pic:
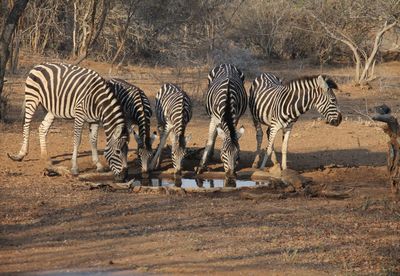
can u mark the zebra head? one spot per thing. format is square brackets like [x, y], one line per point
[179, 152]
[326, 103]
[230, 150]
[116, 152]
[144, 150]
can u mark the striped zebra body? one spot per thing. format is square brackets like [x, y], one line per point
[71, 92]
[279, 105]
[226, 102]
[174, 111]
[137, 111]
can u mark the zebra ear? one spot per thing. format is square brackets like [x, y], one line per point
[240, 132]
[210, 77]
[322, 83]
[118, 132]
[220, 132]
[241, 75]
[188, 138]
[153, 137]
[137, 138]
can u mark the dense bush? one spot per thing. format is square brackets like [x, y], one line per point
[167, 32]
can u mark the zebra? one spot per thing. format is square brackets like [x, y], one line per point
[226, 102]
[174, 111]
[137, 110]
[279, 105]
[72, 92]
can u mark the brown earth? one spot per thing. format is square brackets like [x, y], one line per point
[49, 224]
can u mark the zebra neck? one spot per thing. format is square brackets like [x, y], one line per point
[109, 112]
[304, 95]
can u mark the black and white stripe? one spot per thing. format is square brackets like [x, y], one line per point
[226, 102]
[137, 110]
[279, 105]
[71, 92]
[174, 111]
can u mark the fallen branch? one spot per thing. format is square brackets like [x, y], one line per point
[257, 197]
[52, 171]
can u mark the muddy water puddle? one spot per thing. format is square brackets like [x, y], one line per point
[198, 183]
[180, 182]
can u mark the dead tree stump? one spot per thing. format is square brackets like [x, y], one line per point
[392, 129]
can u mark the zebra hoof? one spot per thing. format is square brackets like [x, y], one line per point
[15, 157]
[255, 165]
[199, 170]
[74, 171]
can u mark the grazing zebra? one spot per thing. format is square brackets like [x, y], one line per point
[137, 110]
[226, 101]
[71, 92]
[174, 111]
[279, 105]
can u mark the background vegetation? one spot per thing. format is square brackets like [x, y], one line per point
[198, 32]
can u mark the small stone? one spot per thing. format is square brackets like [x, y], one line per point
[289, 189]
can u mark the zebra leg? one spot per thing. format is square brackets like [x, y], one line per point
[78, 125]
[259, 136]
[212, 135]
[93, 135]
[270, 148]
[286, 135]
[273, 154]
[43, 130]
[29, 112]
[155, 162]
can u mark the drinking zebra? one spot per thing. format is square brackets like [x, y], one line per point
[174, 111]
[137, 110]
[226, 101]
[71, 92]
[279, 105]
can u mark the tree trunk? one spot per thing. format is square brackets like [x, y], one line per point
[6, 35]
[365, 76]
[123, 35]
[393, 154]
[92, 29]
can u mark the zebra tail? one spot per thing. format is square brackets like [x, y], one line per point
[228, 114]
[23, 110]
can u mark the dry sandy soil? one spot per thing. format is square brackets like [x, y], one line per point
[49, 225]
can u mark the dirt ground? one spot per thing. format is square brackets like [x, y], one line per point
[49, 225]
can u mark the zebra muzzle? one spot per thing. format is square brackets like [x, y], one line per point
[122, 176]
[337, 121]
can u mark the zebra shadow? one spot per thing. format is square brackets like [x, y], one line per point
[298, 161]
[319, 159]
[303, 161]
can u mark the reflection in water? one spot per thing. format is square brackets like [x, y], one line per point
[198, 183]
[146, 182]
[178, 181]
[230, 182]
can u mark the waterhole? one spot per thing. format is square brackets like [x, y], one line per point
[198, 183]
[180, 182]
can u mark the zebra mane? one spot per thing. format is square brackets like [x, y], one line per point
[137, 93]
[332, 84]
